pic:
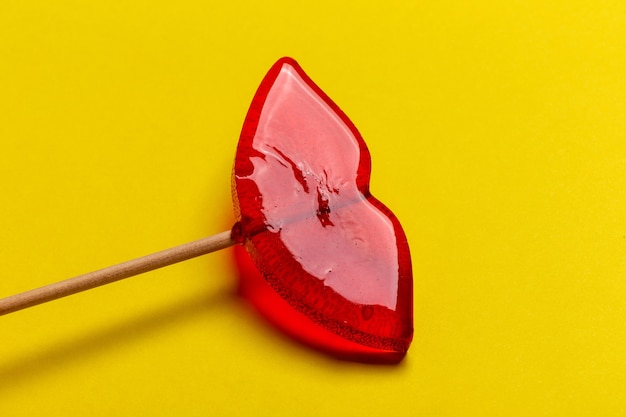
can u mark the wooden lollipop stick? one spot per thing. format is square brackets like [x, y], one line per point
[116, 272]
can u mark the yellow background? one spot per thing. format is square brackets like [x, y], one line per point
[498, 137]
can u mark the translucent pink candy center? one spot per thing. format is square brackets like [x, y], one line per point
[336, 234]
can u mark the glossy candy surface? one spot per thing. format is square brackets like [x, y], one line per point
[323, 243]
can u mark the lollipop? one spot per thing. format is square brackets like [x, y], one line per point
[323, 259]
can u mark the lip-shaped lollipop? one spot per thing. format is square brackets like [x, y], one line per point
[332, 251]
[332, 263]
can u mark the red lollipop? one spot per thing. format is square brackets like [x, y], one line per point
[325, 260]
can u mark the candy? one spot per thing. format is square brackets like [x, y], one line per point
[336, 256]
[325, 261]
